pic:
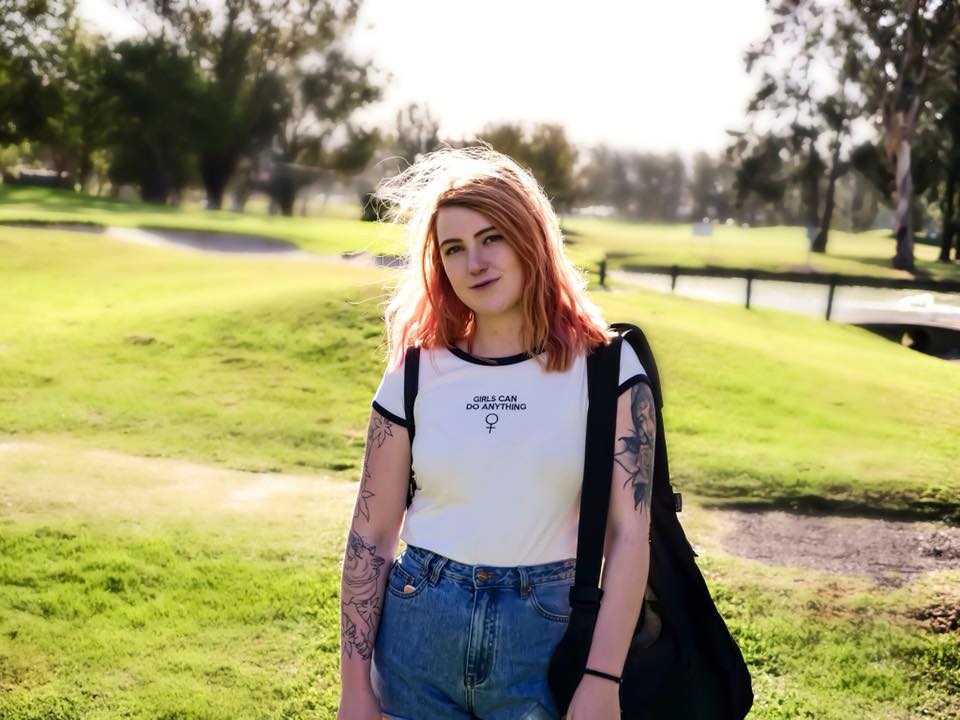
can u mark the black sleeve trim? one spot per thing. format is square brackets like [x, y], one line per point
[627, 384]
[389, 415]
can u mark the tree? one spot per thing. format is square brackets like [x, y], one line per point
[545, 151]
[317, 133]
[807, 40]
[271, 74]
[416, 133]
[83, 121]
[659, 186]
[153, 89]
[760, 179]
[50, 83]
[711, 186]
[944, 102]
[904, 37]
[27, 32]
[602, 180]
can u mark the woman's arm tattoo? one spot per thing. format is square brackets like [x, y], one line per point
[361, 601]
[378, 432]
[635, 451]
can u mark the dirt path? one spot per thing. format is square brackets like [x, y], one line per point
[42, 478]
[57, 480]
[890, 551]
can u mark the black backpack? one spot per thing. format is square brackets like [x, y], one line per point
[682, 662]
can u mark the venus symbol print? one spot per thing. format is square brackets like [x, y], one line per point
[491, 409]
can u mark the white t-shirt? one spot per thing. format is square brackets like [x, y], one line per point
[498, 454]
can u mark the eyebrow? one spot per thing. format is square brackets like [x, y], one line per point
[477, 234]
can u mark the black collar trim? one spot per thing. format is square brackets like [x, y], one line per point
[509, 360]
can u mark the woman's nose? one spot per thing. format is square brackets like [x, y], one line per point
[476, 260]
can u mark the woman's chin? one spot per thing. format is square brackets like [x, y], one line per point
[493, 310]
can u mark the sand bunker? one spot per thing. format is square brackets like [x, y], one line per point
[890, 551]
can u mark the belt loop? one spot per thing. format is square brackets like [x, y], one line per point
[427, 562]
[524, 581]
[436, 566]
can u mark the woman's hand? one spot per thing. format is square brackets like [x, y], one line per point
[595, 699]
[359, 706]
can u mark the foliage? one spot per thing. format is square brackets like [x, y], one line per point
[50, 91]
[273, 76]
[907, 39]
[711, 188]
[416, 133]
[794, 110]
[230, 81]
[545, 150]
[153, 90]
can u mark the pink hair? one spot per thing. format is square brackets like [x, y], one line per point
[557, 316]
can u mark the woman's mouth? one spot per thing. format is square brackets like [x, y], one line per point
[481, 286]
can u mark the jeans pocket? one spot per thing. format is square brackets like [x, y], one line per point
[402, 583]
[552, 600]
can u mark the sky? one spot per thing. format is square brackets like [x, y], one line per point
[634, 74]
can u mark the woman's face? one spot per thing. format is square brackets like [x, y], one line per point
[483, 269]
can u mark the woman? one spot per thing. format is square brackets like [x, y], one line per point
[463, 624]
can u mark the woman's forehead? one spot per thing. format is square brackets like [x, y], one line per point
[459, 221]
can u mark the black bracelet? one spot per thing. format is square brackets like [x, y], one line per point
[606, 676]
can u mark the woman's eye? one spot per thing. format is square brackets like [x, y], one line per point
[492, 237]
[450, 249]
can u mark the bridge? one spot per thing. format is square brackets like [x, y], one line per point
[927, 321]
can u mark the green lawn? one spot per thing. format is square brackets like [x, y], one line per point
[776, 249]
[269, 364]
[321, 234]
[147, 572]
[148, 588]
[622, 242]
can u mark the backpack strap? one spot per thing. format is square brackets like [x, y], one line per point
[411, 383]
[603, 373]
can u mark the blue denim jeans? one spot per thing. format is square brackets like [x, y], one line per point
[469, 641]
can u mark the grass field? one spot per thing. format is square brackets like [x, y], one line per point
[155, 588]
[320, 234]
[774, 249]
[152, 567]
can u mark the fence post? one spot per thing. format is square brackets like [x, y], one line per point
[749, 286]
[673, 278]
[833, 285]
[603, 272]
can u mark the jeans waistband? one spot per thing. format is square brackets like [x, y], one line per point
[436, 566]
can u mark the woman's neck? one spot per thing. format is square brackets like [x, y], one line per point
[497, 337]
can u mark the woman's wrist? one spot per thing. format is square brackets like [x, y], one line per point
[603, 675]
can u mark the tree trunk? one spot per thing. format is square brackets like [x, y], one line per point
[949, 221]
[286, 200]
[216, 172]
[811, 186]
[154, 187]
[903, 217]
[214, 193]
[85, 170]
[820, 243]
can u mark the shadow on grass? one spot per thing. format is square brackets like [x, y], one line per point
[916, 510]
[64, 200]
[886, 263]
[74, 225]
